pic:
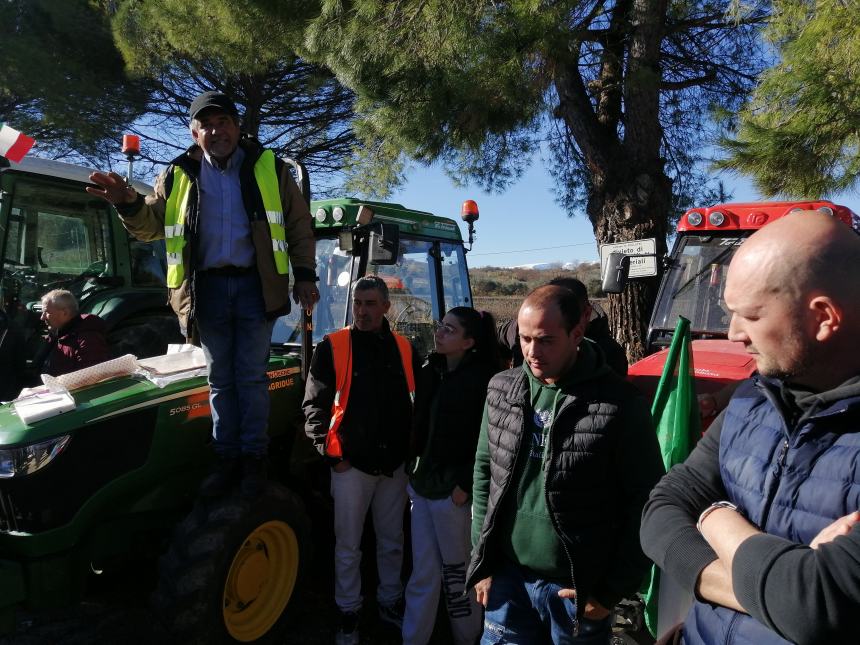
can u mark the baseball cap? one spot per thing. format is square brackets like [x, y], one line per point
[213, 100]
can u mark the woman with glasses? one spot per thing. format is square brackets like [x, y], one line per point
[451, 390]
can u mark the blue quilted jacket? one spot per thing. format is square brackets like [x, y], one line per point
[789, 479]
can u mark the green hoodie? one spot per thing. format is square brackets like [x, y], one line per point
[526, 532]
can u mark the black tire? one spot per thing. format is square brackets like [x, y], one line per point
[145, 336]
[196, 575]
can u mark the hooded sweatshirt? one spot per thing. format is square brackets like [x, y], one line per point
[528, 536]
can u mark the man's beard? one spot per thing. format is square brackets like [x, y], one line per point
[801, 362]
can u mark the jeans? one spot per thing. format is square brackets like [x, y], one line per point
[231, 318]
[525, 610]
[355, 492]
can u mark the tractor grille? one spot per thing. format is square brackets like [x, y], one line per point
[95, 456]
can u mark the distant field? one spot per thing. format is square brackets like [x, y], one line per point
[502, 307]
[505, 307]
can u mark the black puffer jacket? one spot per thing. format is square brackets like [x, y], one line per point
[375, 429]
[603, 461]
[460, 397]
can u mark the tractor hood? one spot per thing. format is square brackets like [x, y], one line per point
[712, 359]
[92, 404]
[715, 363]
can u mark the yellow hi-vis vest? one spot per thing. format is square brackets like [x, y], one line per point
[177, 207]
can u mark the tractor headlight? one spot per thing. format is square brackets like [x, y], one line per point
[25, 460]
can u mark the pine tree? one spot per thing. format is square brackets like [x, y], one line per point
[62, 80]
[800, 133]
[624, 87]
[294, 107]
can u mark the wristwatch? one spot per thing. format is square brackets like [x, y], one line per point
[711, 509]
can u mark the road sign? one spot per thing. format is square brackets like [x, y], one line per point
[640, 267]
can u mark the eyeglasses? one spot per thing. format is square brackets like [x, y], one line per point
[443, 328]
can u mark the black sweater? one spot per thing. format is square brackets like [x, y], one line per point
[455, 402]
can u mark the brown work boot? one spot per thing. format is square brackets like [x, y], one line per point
[224, 476]
[253, 475]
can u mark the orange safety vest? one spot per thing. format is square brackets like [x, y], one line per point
[341, 353]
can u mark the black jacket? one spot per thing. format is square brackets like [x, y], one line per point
[460, 397]
[375, 428]
[603, 461]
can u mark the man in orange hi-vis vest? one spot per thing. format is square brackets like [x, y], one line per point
[358, 409]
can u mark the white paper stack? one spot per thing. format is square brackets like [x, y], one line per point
[181, 362]
[43, 404]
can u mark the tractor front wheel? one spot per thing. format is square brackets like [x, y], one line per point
[232, 568]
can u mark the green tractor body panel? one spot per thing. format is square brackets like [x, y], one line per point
[134, 460]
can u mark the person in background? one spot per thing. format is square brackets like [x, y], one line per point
[451, 391]
[234, 223]
[358, 411]
[597, 330]
[75, 340]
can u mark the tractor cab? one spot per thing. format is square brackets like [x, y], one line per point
[54, 235]
[420, 257]
[693, 285]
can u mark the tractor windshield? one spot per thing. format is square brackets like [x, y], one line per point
[429, 278]
[694, 284]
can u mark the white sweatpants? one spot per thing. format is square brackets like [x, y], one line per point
[440, 556]
[354, 492]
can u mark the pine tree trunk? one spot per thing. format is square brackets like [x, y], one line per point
[636, 209]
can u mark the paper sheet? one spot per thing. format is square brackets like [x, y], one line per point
[41, 406]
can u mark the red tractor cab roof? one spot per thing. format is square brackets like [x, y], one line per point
[753, 215]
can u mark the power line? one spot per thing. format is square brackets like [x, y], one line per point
[543, 248]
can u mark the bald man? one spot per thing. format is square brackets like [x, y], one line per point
[760, 520]
[566, 458]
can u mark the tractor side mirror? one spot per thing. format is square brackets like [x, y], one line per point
[383, 244]
[617, 273]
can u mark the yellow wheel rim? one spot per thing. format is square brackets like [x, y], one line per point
[260, 581]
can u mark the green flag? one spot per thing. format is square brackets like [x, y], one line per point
[676, 417]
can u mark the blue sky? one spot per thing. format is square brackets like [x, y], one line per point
[526, 216]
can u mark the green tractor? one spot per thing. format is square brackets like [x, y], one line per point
[117, 476]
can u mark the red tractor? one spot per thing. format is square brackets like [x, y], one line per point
[693, 286]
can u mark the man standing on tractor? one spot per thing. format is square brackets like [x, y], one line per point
[566, 458]
[233, 220]
[358, 411]
[761, 520]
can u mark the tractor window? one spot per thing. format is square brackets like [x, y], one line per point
[57, 238]
[148, 263]
[455, 277]
[694, 285]
[412, 291]
[335, 269]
